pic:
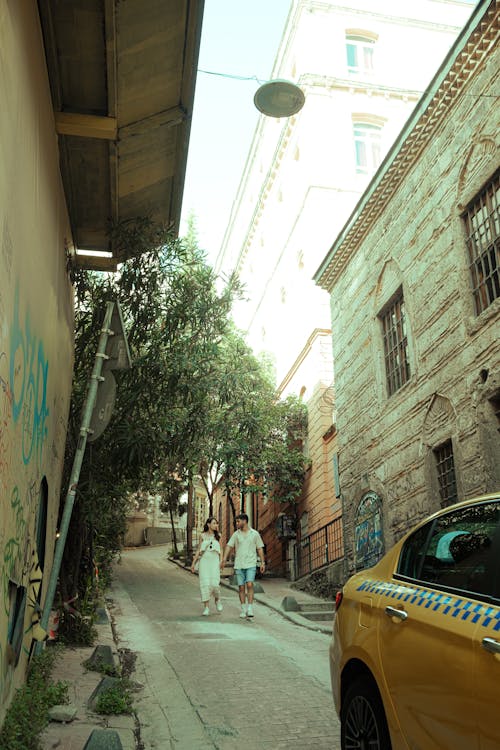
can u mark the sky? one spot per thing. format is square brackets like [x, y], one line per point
[238, 39]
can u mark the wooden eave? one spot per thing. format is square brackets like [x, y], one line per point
[122, 78]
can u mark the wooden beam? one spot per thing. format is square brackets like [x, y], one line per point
[86, 126]
[166, 118]
[94, 262]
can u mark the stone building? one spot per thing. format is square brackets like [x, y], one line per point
[355, 62]
[94, 124]
[414, 285]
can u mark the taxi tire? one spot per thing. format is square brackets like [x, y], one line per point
[362, 708]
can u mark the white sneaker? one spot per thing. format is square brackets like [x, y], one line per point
[205, 612]
[218, 606]
[250, 611]
[243, 613]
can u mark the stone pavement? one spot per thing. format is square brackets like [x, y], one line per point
[275, 590]
[69, 668]
[72, 736]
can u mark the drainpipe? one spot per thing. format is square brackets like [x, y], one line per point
[88, 408]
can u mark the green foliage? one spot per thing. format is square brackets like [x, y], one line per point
[99, 665]
[195, 401]
[76, 629]
[175, 319]
[116, 699]
[27, 715]
[253, 440]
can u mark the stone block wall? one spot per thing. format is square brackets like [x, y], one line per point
[417, 244]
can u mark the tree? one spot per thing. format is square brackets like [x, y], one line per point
[171, 490]
[196, 401]
[175, 320]
[252, 439]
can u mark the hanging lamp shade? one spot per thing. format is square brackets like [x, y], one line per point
[279, 98]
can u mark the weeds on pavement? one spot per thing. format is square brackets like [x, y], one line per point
[28, 715]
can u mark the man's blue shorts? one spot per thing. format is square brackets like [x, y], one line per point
[245, 575]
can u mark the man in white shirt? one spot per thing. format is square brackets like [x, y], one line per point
[247, 544]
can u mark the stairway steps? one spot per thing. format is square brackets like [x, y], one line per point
[323, 615]
[316, 606]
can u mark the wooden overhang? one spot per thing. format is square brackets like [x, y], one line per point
[122, 76]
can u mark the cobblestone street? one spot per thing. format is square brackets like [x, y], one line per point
[218, 682]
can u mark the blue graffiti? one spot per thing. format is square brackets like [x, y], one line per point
[28, 374]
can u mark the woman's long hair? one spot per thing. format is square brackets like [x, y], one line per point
[207, 523]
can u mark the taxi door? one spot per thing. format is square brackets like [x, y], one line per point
[487, 653]
[487, 678]
[426, 653]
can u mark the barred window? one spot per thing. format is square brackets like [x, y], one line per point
[397, 363]
[446, 473]
[482, 227]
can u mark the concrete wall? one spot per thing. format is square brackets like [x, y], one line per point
[417, 243]
[36, 333]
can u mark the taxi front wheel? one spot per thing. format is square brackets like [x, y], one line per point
[362, 718]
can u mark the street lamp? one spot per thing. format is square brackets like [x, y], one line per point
[279, 98]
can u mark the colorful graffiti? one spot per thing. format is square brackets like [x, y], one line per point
[13, 551]
[24, 416]
[28, 373]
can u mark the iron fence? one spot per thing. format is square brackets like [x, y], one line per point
[319, 548]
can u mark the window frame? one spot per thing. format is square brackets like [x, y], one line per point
[363, 137]
[482, 240]
[427, 530]
[360, 43]
[440, 459]
[395, 343]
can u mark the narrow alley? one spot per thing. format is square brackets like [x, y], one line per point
[218, 682]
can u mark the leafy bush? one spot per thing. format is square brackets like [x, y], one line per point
[115, 700]
[76, 629]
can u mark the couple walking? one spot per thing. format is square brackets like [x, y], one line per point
[246, 544]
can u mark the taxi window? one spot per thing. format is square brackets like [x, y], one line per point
[457, 551]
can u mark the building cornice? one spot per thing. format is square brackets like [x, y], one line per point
[357, 86]
[317, 333]
[476, 41]
[315, 5]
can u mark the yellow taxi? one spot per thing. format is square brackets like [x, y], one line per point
[415, 653]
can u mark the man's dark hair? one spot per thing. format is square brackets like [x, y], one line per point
[242, 517]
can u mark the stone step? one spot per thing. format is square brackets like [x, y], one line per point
[321, 616]
[316, 606]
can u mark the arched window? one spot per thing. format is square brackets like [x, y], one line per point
[368, 534]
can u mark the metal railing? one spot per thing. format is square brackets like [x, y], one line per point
[319, 548]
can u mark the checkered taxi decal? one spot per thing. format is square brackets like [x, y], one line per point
[444, 604]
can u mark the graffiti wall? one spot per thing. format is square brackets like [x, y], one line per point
[36, 337]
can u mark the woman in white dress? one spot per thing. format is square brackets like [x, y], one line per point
[209, 555]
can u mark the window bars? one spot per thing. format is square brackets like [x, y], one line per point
[482, 227]
[446, 474]
[397, 364]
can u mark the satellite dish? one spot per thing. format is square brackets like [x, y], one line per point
[279, 98]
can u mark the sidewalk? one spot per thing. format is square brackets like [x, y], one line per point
[73, 735]
[270, 592]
